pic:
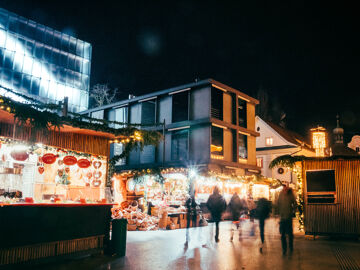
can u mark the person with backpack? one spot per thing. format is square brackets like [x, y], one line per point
[216, 205]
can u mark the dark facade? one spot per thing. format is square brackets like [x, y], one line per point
[207, 124]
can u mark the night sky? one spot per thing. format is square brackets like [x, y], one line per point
[306, 57]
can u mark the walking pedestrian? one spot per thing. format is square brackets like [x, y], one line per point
[286, 205]
[263, 209]
[252, 209]
[216, 205]
[235, 209]
[191, 215]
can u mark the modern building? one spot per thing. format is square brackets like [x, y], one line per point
[206, 124]
[45, 63]
[275, 141]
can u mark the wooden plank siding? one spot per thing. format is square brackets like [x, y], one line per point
[95, 145]
[343, 217]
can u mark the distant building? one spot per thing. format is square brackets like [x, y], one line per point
[45, 63]
[338, 148]
[207, 124]
[355, 143]
[275, 141]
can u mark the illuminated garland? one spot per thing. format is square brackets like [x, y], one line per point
[290, 162]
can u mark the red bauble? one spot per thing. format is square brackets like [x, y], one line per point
[83, 163]
[70, 160]
[41, 170]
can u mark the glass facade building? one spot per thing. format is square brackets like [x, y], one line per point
[43, 62]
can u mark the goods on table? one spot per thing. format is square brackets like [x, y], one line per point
[137, 220]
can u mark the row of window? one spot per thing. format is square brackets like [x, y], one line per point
[16, 50]
[217, 108]
[43, 34]
[217, 144]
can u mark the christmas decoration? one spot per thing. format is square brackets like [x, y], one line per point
[49, 158]
[41, 170]
[83, 163]
[70, 160]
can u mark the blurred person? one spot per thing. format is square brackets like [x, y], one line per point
[286, 204]
[252, 209]
[216, 205]
[263, 209]
[191, 215]
[235, 206]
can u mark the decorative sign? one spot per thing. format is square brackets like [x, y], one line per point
[48, 158]
[70, 160]
[97, 164]
[83, 163]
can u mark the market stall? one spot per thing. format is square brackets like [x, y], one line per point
[165, 191]
[54, 173]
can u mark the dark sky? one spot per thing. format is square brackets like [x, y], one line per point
[305, 56]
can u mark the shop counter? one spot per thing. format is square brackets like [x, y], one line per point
[35, 231]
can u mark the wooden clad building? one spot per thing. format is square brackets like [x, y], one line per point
[332, 195]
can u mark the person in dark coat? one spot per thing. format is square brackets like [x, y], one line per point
[216, 205]
[237, 206]
[191, 215]
[263, 209]
[286, 205]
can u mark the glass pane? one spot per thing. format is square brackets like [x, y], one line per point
[57, 40]
[36, 70]
[13, 24]
[35, 86]
[2, 38]
[179, 145]
[28, 63]
[44, 87]
[72, 48]
[217, 141]
[10, 42]
[40, 33]
[17, 80]
[242, 112]
[39, 50]
[87, 51]
[65, 43]
[26, 83]
[19, 60]
[216, 103]
[242, 146]
[30, 48]
[180, 111]
[49, 38]
[4, 19]
[80, 48]
[9, 59]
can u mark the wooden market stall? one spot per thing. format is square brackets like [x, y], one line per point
[331, 195]
[53, 182]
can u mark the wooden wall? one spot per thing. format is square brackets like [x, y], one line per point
[71, 141]
[343, 217]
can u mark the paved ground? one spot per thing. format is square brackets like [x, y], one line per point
[166, 250]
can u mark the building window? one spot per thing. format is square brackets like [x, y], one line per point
[118, 149]
[269, 141]
[259, 162]
[320, 186]
[121, 115]
[243, 154]
[148, 112]
[180, 107]
[242, 112]
[217, 142]
[216, 103]
[179, 145]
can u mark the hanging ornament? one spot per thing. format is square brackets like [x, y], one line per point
[67, 169]
[40, 159]
[70, 160]
[97, 164]
[60, 173]
[19, 155]
[41, 170]
[83, 163]
[96, 183]
[60, 162]
[89, 175]
[48, 158]
[97, 174]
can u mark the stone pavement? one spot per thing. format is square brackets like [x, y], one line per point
[166, 250]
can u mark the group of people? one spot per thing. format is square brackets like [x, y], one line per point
[216, 204]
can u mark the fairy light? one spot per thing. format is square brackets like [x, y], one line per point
[319, 140]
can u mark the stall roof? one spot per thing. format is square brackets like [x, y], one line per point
[8, 118]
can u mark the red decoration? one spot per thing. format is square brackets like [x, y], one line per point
[97, 164]
[48, 158]
[83, 163]
[97, 174]
[19, 155]
[67, 169]
[40, 159]
[89, 175]
[41, 170]
[70, 160]
[96, 183]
